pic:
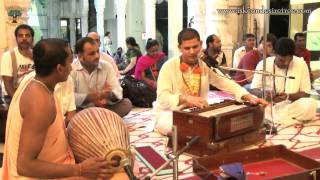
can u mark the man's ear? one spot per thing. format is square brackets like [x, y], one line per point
[59, 68]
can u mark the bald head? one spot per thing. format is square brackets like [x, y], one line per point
[95, 36]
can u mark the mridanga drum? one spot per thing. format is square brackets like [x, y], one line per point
[98, 132]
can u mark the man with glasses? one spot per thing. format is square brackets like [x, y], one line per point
[16, 63]
[290, 96]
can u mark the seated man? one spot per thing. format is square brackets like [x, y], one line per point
[95, 83]
[36, 141]
[214, 49]
[184, 81]
[291, 96]
[65, 95]
[251, 59]
[104, 56]
[302, 51]
[249, 45]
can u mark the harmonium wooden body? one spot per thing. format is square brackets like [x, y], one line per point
[222, 127]
[273, 162]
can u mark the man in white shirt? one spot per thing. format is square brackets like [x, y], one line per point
[249, 44]
[184, 81]
[290, 96]
[95, 83]
[16, 63]
[104, 56]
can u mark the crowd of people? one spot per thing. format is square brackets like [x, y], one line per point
[46, 84]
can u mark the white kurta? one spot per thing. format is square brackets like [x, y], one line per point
[171, 86]
[287, 112]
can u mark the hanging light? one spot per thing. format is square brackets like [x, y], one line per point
[14, 13]
[17, 10]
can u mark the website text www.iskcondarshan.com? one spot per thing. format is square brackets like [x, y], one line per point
[245, 10]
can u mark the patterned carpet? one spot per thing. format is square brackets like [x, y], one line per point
[303, 138]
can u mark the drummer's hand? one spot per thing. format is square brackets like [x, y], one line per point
[95, 168]
[196, 101]
[254, 100]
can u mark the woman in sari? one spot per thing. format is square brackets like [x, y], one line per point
[149, 65]
[132, 55]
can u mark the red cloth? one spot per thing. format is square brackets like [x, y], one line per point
[273, 168]
[313, 153]
[144, 62]
[248, 62]
[305, 53]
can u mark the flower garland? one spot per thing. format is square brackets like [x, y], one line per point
[192, 80]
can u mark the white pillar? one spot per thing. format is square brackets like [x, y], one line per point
[236, 23]
[217, 24]
[73, 4]
[54, 18]
[99, 6]
[196, 16]
[250, 18]
[150, 18]
[121, 6]
[84, 17]
[3, 37]
[175, 15]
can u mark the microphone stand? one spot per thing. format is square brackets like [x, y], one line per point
[173, 157]
[256, 72]
[269, 129]
[175, 148]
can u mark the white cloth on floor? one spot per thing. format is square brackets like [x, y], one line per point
[287, 113]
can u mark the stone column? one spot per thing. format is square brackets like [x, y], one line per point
[150, 18]
[196, 16]
[250, 17]
[217, 24]
[84, 17]
[175, 16]
[53, 18]
[99, 6]
[73, 5]
[236, 23]
[3, 37]
[121, 6]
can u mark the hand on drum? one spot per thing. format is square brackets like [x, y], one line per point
[95, 168]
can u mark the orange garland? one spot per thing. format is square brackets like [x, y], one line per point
[184, 67]
[193, 89]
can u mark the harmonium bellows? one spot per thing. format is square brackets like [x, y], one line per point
[220, 123]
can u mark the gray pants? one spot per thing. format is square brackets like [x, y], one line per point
[122, 107]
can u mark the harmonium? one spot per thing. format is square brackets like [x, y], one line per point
[223, 127]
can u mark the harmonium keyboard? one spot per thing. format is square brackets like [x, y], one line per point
[222, 127]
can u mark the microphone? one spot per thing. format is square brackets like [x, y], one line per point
[213, 64]
[128, 169]
[193, 140]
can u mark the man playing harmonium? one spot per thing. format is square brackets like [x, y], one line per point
[184, 82]
[290, 96]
